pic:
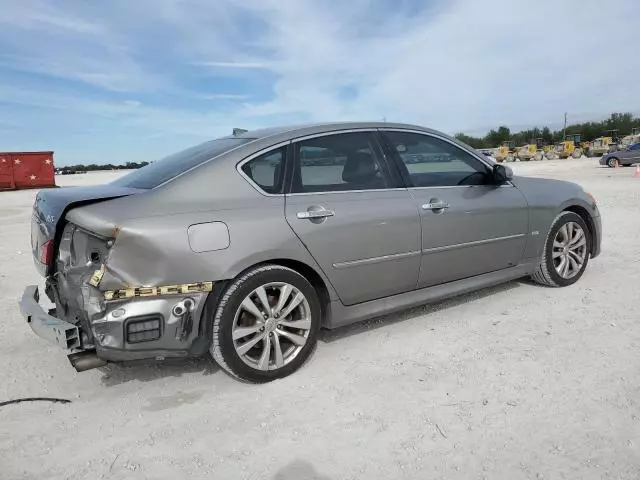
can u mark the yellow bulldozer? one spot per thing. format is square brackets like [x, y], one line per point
[601, 146]
[506, 152]
[531, 151]
[629, 140]
[570, 147]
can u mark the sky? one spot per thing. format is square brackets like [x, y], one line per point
[114, 81]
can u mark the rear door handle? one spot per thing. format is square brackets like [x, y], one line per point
[313, 214]
[439, 205]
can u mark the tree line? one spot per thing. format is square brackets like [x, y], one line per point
[80, 168]
[623, 122]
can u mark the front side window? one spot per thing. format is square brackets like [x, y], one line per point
[340, 162]
[432, 162]
[267, 171]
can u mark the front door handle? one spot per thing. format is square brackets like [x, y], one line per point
[315, 214]
[435, 205]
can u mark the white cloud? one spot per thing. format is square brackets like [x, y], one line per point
[468, 65]
[454, 65]
[231, 64]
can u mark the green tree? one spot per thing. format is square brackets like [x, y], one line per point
[471, 141]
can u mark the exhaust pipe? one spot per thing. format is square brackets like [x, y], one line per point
[85, 360]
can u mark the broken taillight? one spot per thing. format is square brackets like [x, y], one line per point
[46, 252]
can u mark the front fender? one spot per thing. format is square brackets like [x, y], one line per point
[546, 199]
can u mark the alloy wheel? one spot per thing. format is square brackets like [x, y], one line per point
[271, 326]
[569, 250]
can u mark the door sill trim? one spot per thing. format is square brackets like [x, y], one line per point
[427, 251]
[340, 315]
[372, 260]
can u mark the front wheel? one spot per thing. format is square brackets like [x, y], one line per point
[612, 162]
[566, 252]
[266, 324]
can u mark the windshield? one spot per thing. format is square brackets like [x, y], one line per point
[158, 172]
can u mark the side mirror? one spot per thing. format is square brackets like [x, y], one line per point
[502, 174]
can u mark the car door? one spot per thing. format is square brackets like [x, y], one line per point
[632, 155]
[348, 210]
[469, 225]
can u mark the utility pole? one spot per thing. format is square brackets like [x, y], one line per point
[564, 132]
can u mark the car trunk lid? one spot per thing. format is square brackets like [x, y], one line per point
[49, 210]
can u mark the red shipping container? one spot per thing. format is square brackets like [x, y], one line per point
[26, 170]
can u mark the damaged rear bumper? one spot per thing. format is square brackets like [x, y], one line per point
[134, 324]
[45, 325]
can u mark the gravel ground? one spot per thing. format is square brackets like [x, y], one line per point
[512, 382]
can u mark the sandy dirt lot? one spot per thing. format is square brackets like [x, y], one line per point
[512, 382]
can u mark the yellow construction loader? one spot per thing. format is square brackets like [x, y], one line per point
[569, 147]
[531, 151]
[601, 146]
[506, 152]
[629, 140]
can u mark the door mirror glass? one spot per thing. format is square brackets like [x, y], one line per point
[502, 174]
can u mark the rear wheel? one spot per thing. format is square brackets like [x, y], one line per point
[566, 252]
[266, 324]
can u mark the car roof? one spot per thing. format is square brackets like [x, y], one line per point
[311, 128]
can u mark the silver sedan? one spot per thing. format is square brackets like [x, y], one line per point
[245, 246]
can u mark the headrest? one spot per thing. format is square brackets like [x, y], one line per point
[360, 167]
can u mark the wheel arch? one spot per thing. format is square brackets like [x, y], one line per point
[586, 216]
[318, 282]
[313, 277]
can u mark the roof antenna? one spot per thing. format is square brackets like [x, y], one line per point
[239, 131]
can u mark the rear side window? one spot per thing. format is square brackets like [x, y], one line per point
[267, 171]
[347, 161]
[160, 171]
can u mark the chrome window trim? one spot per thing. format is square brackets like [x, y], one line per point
[333, 132]
[347, 191]
[373, 260]
[426, 251]
[254, 155]
[506, 185]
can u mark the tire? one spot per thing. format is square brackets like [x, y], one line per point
[546, 272]
[231, 317]
[577, 153]
[612, 162]
[539, 156]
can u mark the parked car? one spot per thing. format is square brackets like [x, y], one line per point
[240, 249]
[622, 157]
